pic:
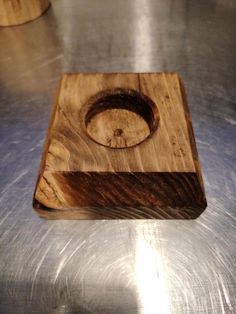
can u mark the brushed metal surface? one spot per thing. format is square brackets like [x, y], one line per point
[119, 266]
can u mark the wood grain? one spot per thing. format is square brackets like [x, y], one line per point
[120, 146]
[14, 12]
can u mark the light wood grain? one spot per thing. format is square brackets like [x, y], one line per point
[120, 146]
[14, 12]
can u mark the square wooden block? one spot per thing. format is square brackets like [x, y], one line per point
[120, 145]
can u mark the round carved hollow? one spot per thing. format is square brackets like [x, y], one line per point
[119, 118]
[15, 12]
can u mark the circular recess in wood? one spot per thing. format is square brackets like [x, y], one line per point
[119, 118]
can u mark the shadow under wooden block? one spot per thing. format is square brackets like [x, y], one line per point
[119, 146]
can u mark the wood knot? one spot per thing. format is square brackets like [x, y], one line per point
[118, 132]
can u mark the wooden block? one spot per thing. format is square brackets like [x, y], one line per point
[120, 146]
[14, 12]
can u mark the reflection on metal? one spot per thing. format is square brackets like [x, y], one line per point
[143, 45]
[118, 266]
[150, 276]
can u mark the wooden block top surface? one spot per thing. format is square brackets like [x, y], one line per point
[167, 149]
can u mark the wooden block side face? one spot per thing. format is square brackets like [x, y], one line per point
[137, 195]
[14, 12]
[92, 168]
[121, 195]
[166, 149]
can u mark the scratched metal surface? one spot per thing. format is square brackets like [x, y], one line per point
[118, 266]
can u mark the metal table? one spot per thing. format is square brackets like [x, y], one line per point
[119, 266]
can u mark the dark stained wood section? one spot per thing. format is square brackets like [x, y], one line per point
[120, 146]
